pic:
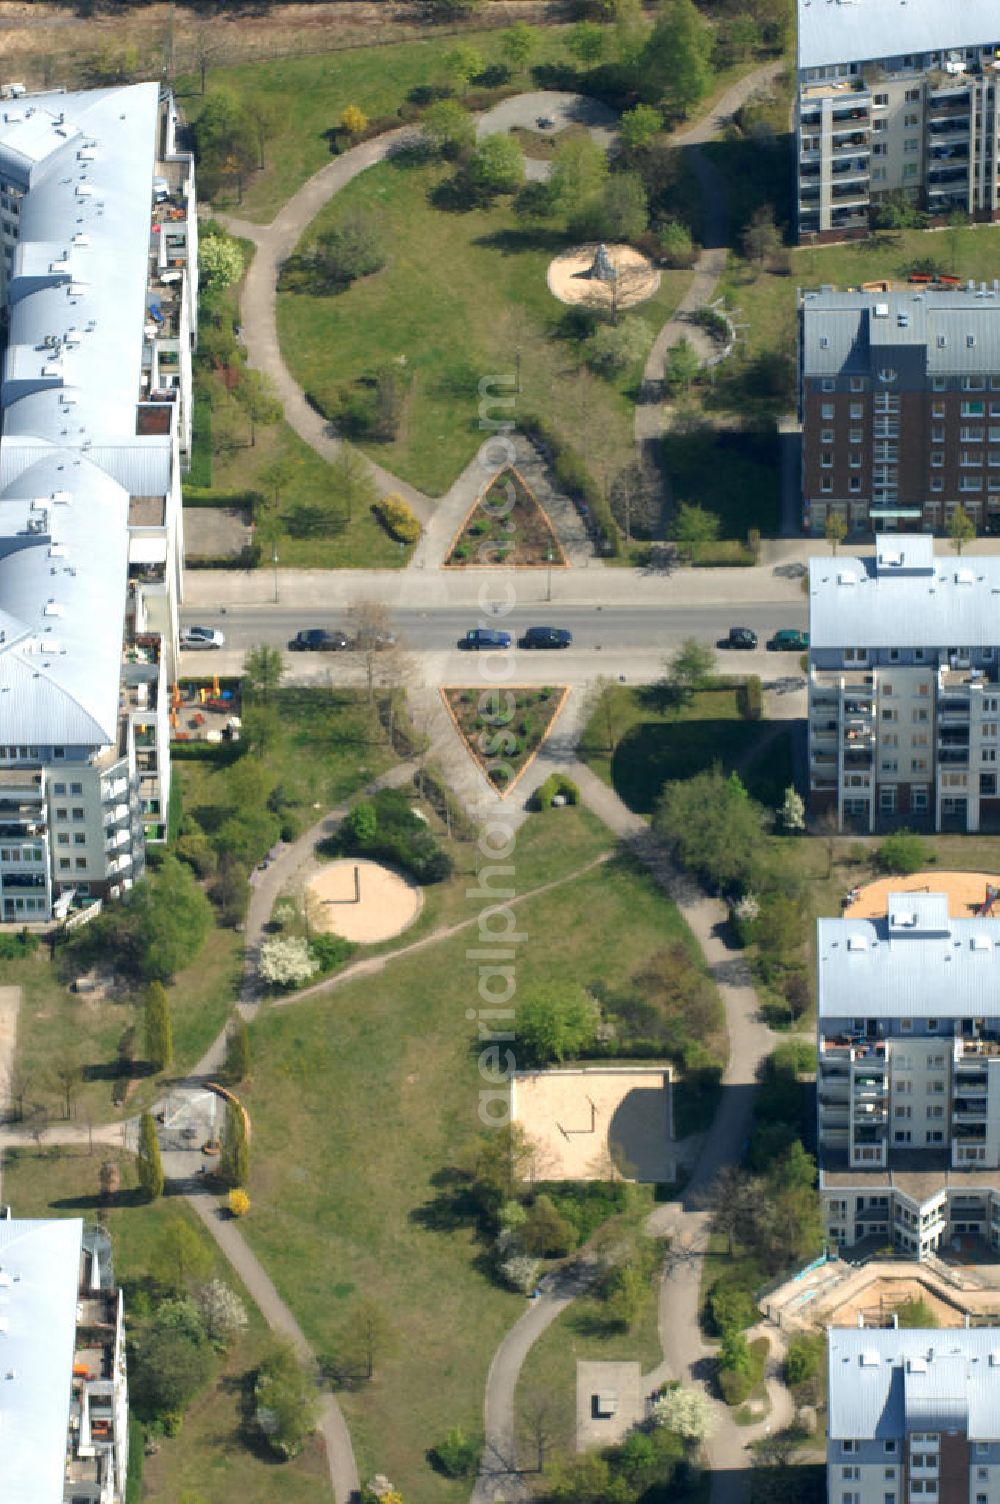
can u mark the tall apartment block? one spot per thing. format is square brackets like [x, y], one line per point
[65, 1390]
[98, 286]
[899, 407]
[914, 1417]
[895, 96]
[908, 1077]
[904, 689]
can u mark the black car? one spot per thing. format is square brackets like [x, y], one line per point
[546, 637]
[319, 640]
[739, 637]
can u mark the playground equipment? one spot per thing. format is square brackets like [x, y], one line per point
[992, 894]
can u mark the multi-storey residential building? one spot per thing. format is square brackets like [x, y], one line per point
[895, 97]
[908, 1076]
[899, 405]
[904, 688]
[914, 1417]
[64, 1413]
[98, 281]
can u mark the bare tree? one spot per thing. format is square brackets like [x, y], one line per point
[603, 708]
[67, 1074]
[18, 1086]
[732, 1199]
[373, 638]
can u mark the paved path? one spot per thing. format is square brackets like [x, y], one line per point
[340, 1453]
[276, 242]
[685, 1221]
[10, 1004]
[711, 262]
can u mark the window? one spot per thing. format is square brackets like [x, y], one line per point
[906, 1024]
[857, 383]
[849, 1448]
[79, 839]
[828, 384]
[970, 410]
[60, 814]
[988, 754]
[910, 145]
[78, 813]
[889, 713]
[971, 483]
[851, 1474]
[64, 864]
[826, 436]
[937, 435]
[937, 458]
[826, 459]
[855, 459]
[973, 383]
[937, 484]
[937, 409]
[903, 1111]
[854, 484]
[935, 1112]
[911, 96]
[857, 410]
[857, 435]
[58, 788]
[919, 716]
[826, 412]
[62, 839]
[902, 1136]
[76, 788]
[879, 101]
[826, 485]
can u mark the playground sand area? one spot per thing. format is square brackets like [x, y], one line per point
[966, 893]
[570, 280]
[598, 1123]
[878, 1300]
[362, 901]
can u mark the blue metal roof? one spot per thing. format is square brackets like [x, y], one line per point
[916, 962]
[849, 31]
[950, 333]
[886, 1383]
[903, 598]
[39, 1287]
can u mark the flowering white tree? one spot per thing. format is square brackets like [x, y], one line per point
[686, 1411]
[793, 812]
[223, 1313]
[746, 909]
[287, 962]
[520, 1271]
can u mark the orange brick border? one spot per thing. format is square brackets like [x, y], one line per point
[446, 689]
[561, 563]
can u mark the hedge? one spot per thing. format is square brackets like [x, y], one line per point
[750, 698]
[556, 783]
[573, 477]
[397, 518]
[207, 496]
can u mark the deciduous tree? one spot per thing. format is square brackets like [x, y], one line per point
[961, 528]
[519, 45]
[234, 1159]
[263, 669]
[556, 1021]
[179, 1257]
[237, 1049]
[258, 397]
[497, 165]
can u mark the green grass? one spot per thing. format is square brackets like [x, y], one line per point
[546, 1389]
[308, 95]
[56, 1025]
[655, 745]
[735, 474]
[211, 1456]
[336, 543]
[359, 1101]
[461, 292]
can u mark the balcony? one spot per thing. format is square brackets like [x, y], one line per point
[847, 142]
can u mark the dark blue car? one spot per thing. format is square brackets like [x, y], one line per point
[485, 637]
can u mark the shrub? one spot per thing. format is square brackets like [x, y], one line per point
[397, 518]
[556, 783]
[802, 1361]
[330, 951]
[400, 837]
[457, 1456]
[734, 1387]
[238, 1202]
[731, 1307]
[903, 852]
[520, 1271]
[286, 1404]
[915, 1314]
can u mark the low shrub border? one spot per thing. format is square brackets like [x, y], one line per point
[573, 476]
[556, 783]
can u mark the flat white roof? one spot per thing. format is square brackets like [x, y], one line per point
[39, 1288]
[858, 31]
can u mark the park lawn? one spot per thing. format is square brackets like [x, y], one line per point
[733, 472]
[461, 294]
[211, 1455]
[361, 1102]
[56, 1026]
[311, 536]
[655, 745]
[546, 1389]
[308, 95]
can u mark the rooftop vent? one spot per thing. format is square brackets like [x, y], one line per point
[53, 608]
[916, 1365]
[881, 310]
[845, 577]
[857, 942]
[970, 340]
[64, 497]
[904, 919]
[981, 942]
[965, 577]
[903, 320]
[84, 190]
[942, 341]
[869, 1358]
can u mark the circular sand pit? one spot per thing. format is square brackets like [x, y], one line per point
[966, 893]
[571, 277]
[362, 901]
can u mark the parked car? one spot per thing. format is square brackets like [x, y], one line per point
[485, 637]
[546, 637]
[318, 640]
[739, 637]
[201, 637]
[788, 640]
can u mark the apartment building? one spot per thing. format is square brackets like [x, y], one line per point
[64, 1406]
[904, 689]
[895, 97]
[98, 285]
[914, 1417]
[908, 1076]
[899, 406]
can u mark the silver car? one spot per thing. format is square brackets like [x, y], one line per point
[201, 637]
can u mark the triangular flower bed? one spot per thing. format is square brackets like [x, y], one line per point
[504, 726]
[507, 524]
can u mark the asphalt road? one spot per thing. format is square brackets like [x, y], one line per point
[431, 630]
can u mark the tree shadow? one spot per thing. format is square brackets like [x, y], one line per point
[515, 240]
[112, 1201]
[453, 1207]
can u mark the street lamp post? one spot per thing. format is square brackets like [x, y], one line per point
[548, 573]
[274, 566]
